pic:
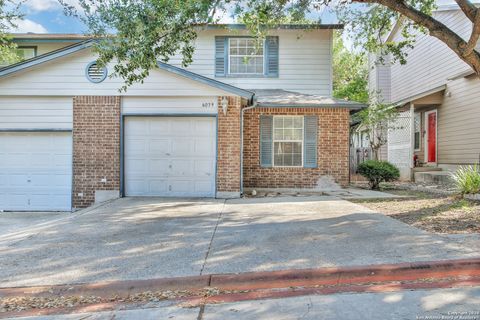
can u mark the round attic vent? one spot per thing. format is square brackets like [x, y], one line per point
[95, 73]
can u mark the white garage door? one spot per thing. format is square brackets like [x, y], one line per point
[170, 156]
[36, 171]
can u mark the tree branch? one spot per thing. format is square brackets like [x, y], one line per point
[468, 8]
[475, 35]
[437, 29]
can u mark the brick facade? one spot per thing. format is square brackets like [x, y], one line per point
[96, 147]
[333, 150]
[228, 149]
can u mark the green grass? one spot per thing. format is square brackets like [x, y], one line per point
[467, 179]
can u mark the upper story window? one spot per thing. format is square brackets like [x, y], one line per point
[23, 53]
[245, 56]
[26, 52]
[288, 141]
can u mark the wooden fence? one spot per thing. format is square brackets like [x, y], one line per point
[357, 156]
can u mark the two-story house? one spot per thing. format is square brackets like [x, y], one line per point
[239, 117]
[438, 97]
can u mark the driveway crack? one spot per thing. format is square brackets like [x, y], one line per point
[213, 236]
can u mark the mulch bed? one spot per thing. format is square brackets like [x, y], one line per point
[431, 212]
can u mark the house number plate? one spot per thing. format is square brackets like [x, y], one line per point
[208, 105]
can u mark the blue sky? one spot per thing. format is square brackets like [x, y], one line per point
[42, 16]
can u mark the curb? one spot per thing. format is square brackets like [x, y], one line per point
[259, 285]
[262, 280]
[347, 275]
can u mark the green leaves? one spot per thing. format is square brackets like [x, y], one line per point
[134, 35]
[137, 33]
[467, 179]
[378, 171]
[9, 14]
[350, 73]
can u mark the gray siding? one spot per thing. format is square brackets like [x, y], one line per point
[431, 62]
[305, 61]
[459, 123]
[380, 78]
[27, 112]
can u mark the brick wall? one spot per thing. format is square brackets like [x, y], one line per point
[96, 147]
[333, 153]
[228, 152]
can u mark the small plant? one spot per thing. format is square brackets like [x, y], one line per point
[467, 179]
[378, 171]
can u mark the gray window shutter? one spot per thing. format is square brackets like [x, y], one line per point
[271, 66]
[310, 141]
[221, 56]
[266, 140]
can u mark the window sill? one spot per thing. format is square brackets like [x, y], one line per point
[296, 168]
[246, 76]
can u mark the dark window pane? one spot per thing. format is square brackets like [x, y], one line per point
[417, 140]
[297, 160]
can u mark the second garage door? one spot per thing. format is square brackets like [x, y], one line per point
[170, 156]
[35, 171]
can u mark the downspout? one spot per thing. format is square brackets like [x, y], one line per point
[254, 105]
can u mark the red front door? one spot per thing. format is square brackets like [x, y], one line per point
[432, 137]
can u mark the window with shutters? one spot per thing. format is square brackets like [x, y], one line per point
[288, 141]
[245, 56]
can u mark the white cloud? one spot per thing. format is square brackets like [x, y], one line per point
[42, 5]
[26, 25]
[48, 5]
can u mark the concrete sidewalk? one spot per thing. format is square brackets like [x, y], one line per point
[369, 306]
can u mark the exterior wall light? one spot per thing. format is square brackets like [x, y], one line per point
[225, 105]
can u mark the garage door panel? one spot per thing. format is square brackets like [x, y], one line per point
[13, 160]
[137, 129]
[158, 167]
[181, 128]
[14, 201]
[203, 167]
[157, 186]
[39, 177]
[159, 146]
[158, 128]
[182, 168]
[181, 147]
[203, 128]
[136, 187]
[135, 145]
[175, 145]
[181, 186]
[203, 147]
[203, 186]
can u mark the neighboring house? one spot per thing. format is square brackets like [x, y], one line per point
[237, 118]
[30, 45]
[438, 98]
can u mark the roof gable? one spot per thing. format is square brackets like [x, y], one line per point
[64, 71]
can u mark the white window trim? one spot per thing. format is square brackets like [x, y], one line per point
[255, 56]
[302, 141]
[419, 132]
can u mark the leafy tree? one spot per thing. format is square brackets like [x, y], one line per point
[9, 14]
[350, 72]
[376, 121]
[148, 30]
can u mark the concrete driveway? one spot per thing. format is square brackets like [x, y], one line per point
[142, 238]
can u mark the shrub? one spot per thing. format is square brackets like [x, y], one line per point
[378, 171]
[467, 179]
